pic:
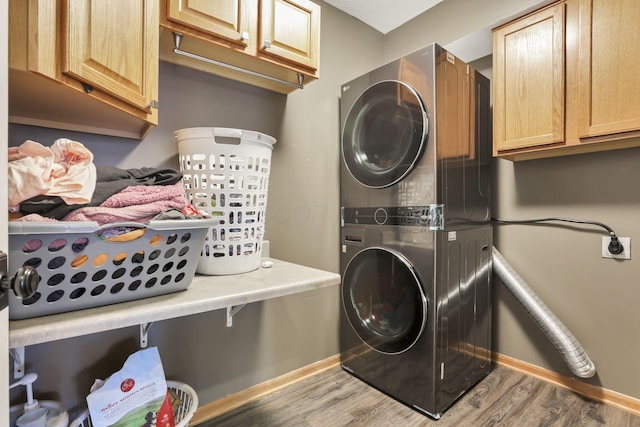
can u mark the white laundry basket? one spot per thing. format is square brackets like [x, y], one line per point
[187, 399]
[226, 173]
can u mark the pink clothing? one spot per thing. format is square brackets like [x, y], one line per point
[137, 213]
[65, 169]
[143, 194]
[34, 218]
[138, 203]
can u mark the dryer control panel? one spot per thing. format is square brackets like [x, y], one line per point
[431, 216]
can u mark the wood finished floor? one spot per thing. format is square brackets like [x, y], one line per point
[504, 398]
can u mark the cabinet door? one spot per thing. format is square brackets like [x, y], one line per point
[290, 29]
[609, 52]
[529, 80]
[228, 19]
[113, 45]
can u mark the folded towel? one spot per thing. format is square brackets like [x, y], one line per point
[133, 204]
[144, 194]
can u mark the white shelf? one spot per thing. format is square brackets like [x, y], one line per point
[206, 293]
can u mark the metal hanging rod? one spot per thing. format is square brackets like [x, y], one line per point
[177, 39]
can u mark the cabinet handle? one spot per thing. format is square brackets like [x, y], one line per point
[177, 39]
[267, 44]
[153, 104]
[244, 36]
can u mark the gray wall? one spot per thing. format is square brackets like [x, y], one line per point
[594, 297]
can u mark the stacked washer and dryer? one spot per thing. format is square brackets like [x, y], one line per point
[416, 235]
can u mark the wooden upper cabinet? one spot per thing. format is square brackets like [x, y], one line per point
[565, 80]
[112, 45]
[609, 55]
[84, 65]
[291, 31]
[228, 19]
[276, 41]
[529, 81]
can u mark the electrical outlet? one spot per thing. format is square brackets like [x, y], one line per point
[626, 244]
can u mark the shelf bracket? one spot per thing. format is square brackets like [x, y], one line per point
[17, 354]
[144, 334]
[231, 311]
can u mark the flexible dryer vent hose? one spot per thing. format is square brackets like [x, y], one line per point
[570, 349]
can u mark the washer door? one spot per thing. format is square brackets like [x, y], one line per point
[384, 134]
[383, 300]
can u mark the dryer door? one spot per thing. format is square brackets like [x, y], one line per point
[384, 300]
[384, 134]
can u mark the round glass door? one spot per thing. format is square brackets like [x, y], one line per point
[383, 300]
[384, 134]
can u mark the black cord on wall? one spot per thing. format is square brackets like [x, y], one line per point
[615, 247]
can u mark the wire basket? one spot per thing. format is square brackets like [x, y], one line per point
[81, 268]
[182, 415]
[226, 173]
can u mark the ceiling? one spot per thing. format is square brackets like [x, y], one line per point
[384, 15]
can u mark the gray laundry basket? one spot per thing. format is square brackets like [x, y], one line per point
[79, 268]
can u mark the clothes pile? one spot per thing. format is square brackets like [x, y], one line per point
[61, 183]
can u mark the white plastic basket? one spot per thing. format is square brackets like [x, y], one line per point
[56, 417]
[226, 173]
[182, 415]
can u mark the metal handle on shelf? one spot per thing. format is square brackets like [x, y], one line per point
[24, 283]
[177, 39]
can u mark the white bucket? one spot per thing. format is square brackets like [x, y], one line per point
[226, 173]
